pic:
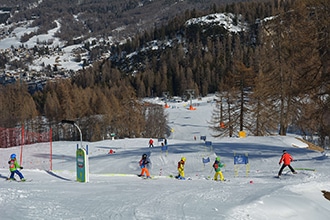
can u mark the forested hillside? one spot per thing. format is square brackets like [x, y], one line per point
[272, 75]
[100, 18]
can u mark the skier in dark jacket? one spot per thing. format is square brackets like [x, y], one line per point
[144, 164]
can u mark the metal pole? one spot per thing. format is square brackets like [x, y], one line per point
[73, 123]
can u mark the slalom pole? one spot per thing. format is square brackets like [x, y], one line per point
[306, 169]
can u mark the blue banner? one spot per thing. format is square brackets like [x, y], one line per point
[241, 159]
[164, 148]
[206, 160]
[208, 143]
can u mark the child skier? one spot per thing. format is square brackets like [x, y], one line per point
[217, 165]
[181, 169]
[13, 167]
[144, 164]
[286, 159]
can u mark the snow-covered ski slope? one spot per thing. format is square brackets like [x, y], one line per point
[115, 192]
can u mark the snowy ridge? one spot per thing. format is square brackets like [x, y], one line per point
[221, 19]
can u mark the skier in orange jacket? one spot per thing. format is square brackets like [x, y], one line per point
[286, 159]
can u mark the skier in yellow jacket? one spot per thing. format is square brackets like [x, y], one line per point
[181, 169]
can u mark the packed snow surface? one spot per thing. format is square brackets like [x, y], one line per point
[115, 192]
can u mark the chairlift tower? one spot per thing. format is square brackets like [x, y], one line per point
[165, 94]
[191, 93]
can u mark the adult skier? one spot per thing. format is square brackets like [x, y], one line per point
[151, 143]
[286, 159]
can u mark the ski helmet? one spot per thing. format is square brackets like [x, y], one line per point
[144, 156]
[13, 156]
[183, 159]
[217, 158]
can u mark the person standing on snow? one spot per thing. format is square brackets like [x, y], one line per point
[13, 167]
[217, 165]
[144, 164]
[151, 143]
[286, 159]
[181, 169]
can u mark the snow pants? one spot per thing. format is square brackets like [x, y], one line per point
[219, 173]
[12, 173]
[145, 170]
[283, 166]
[181, 173]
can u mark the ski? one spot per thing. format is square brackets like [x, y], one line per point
[146, 178]
[283, 176]
[149, 178]
[183, 178]
[15, 180]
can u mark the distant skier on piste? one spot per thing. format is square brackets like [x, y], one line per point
[13, 167]
[217, 165]
[286, 159]
[151, 143]
[144, 164]
[181, 164]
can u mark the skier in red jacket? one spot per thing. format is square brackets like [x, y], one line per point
[286, 159]
[151, 143]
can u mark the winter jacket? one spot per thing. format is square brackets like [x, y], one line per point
[13, 165]
[181, 165]
[144, 163]
[286, 159]
[217, 166]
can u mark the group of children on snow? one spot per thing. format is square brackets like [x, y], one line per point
[217, 165]
[145, 162]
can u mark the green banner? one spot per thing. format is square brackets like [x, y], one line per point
[82, 165]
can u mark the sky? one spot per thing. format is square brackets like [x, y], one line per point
[114, 191]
